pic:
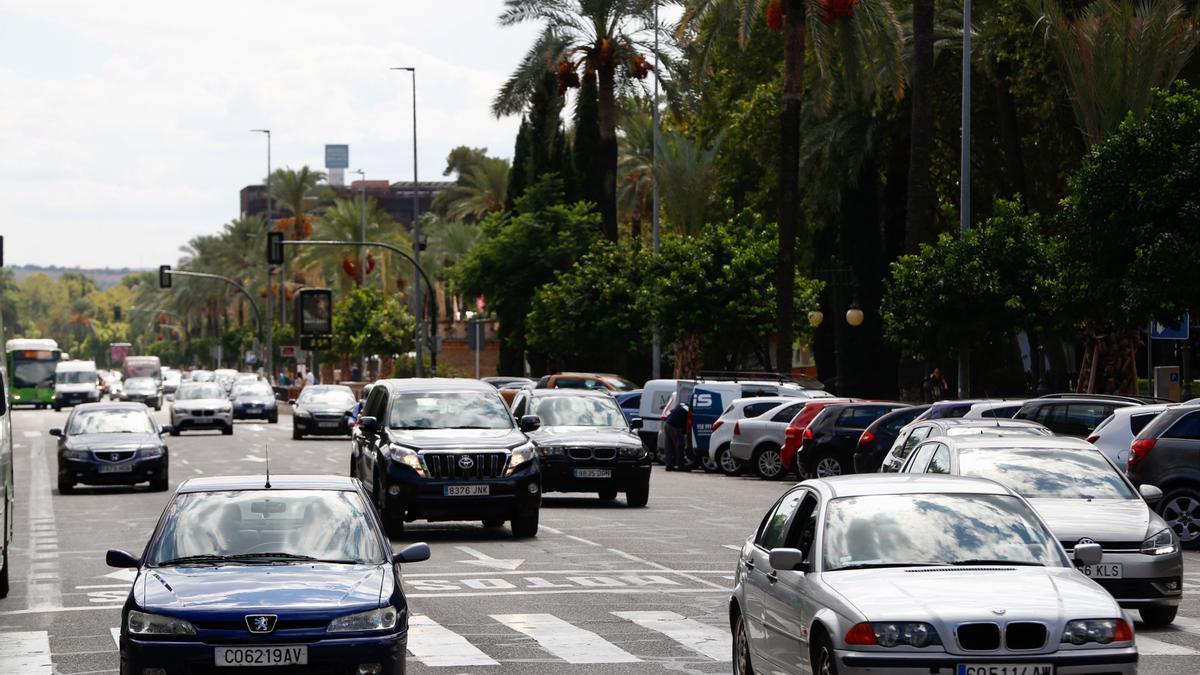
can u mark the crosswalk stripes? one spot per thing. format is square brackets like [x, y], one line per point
[699, 637]
[565, 640]
[434, 645]
[1148, 646]
[26, 652]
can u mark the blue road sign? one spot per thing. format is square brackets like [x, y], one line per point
[337, 157]
[1166, 331]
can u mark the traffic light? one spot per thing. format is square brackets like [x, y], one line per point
[117, 314]
[274, 248]
[164, 276]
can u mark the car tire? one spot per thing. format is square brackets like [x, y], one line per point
[273, 419]
[741, 647]
[493, 522]
[174, 430]
[638, 495]
[526, 526]
[1181, 509]
[824, 662]
[608, 495]
[4, 574]
[57, 408]
[65, 486]
[296, 435]
[729, 465]
[707, 462]
[829, 464]
[227, 431]
[158, 405]
[1158, 616]
[158, 485]
[767, 461]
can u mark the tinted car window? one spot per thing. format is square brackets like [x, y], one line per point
[1087, 415]
[860, 417]
[1046, 472]
[199, 391]
[772, 527]
[1187, 427]
[110, 422]
[756, 409]
[569, 383]
[1006, 412]
[804, 526]
[450, 410]
[917, 465]
[331, 397]
[940, 462]
[919, 434]
[586, 411]
[1139, 422]
[519, 407]
[786, 414]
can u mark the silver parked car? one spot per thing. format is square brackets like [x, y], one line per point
[722, 430]
[1084, 498]
[1115, 434]
[884, 574]
[920, 430]
[758, 442]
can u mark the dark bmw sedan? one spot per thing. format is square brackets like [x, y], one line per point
[254, 400]
[322, 410]
[287, 573]
[585, 445]
[111, 444]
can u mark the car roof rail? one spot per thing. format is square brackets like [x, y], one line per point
[756, 375]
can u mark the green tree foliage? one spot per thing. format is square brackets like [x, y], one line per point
[344, 221]
[481, 188]
[367, 321]
[1005, 276]
[298, 191]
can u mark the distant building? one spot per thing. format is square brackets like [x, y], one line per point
[395, 198]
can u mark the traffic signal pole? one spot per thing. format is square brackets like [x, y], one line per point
[168, 272]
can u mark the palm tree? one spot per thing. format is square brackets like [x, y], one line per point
[635, 165]
[1114, 53]
[480, 190]
[920, 201]
[343, 220]
[833, 32]
[297, 191]
[449, 242]
[604, 41]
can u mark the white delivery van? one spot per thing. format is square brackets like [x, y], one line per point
[75, 382]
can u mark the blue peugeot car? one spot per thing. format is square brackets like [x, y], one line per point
[290, 573]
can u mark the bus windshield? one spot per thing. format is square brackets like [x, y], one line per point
[33, 368]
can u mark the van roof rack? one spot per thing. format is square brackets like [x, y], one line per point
[760, 375]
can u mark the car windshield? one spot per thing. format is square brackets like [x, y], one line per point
[202, 376]
[934, 529]
[619, 383]
[140, 383]
[267, 526]
[450, 410]
[253, 390]
[332, 397]
[76, 377]
[1052, 473]
[110, 422]
[1011, 430]
[197, 391]
[581, 411]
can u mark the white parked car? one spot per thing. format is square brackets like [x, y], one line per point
[723, 428]
[994, 409]
[1115, 434]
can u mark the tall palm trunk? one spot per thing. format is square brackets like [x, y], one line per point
[606, 112]
[920, 191]
[789, 179]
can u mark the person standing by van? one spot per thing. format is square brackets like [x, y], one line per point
[675, 426]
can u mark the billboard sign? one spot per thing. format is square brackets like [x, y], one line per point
[337, 157]
[314, 311]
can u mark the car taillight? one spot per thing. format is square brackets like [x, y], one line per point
[1139, 450]
[808, 434]
[867, 438]
[737, 428]
[718, 424]
[1092, 439]
[791, 433]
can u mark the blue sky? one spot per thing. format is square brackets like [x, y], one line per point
[125, 124]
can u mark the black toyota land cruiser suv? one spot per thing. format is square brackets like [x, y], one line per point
[447, 449]
[585, 444]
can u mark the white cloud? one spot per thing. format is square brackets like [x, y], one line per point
[127, 124]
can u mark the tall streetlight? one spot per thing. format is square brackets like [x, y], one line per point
[362, 251]
[655, 344]
[964, 194]
[270, 299]
[416, 227]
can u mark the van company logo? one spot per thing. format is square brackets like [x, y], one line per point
[466, 462]
[260, 623]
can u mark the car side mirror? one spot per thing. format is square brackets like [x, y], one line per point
[413, 553]
[166, 429]
[291, 401]
[56, 431]
[119, 558]
[1151, 493]
[1088, 554]
[791, 559]
[368, 424]
[530, 423]
[635, 423]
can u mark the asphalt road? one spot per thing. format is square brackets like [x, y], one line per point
[603, 588]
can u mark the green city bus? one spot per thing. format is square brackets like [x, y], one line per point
[31, 364]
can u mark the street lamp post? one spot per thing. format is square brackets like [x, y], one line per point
[270, 299]
[964, 195]
[362, 250]
[416, 227]
[656, 344]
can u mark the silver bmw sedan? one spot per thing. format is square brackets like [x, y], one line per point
[919, 574]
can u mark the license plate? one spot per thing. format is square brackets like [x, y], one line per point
[327, 425]
[593, 473]
[262, 656]
[1005, 669]
[1105, 571]
[468, 490]
[252, 408]
[116, 468]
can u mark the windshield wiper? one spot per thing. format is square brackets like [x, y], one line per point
[201, 559]
[875, 565]
[468, 426]
[991, 561]
[289, 556]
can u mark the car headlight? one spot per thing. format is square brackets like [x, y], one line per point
[407, 457]
[300, 412]
[143, 623]
[634, 452]
[1102, 631]
[519, 455]
[1161, 543]
[149, 452]
[77, 454]
[226, 408]
[893, 634]
[383, 618]
[551, 451]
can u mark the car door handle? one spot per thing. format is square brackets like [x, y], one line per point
[750, 565]
[772, 576]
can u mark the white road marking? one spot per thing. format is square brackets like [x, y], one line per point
[254, 458]
[1187, 624]
[484, 560]
[116, 633]
[566, 641]
[732, 547]
[1148, 646]
[581, 540]
[31, 434]
[27, 653]
[707, 640]
[80, 588]
[42, 596]
[432, 644]
[57, 610]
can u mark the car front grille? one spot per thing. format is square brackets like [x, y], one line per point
[1024, 635]
[1108, 546]
[465, 466]
[978, 637]
[1132, 588]
[588, 454]
[114, 455]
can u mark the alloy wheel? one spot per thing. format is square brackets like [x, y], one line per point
[729, 463]
[828, 466]
[741, 649]
[770, 464]
[1183, 516]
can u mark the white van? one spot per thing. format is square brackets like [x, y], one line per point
[75, 382]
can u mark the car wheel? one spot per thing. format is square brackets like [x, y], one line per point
[638, 495]
[1158, 616]
[829, 464]
[730, 465]
[65, 486]
[174, 431]
[274, 418]
[1181, 509]
[158, 485]
[741, 647]
[768, 462]
[158, 406]
[4, 574]
[493, 522]
[228, 431]
[526, 526]
[296, 435]
[823, 661]
[57, 408]
[608, 495]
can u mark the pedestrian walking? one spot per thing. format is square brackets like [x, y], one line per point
[309, 378]
[935, 386]
[675, 427]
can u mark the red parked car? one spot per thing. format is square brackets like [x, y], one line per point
[794, 435]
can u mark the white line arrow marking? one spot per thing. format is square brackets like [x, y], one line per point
[484, 560]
